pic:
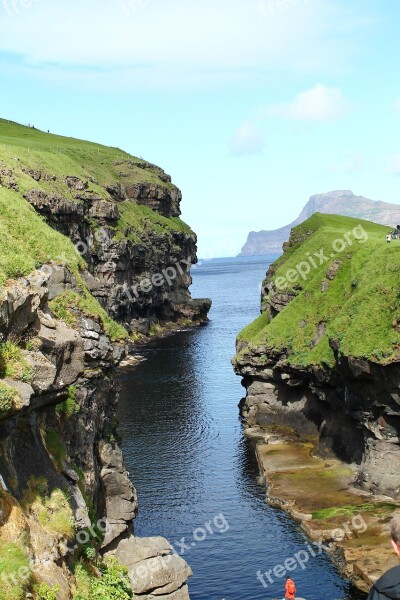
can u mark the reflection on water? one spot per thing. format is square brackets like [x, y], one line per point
[194, 471]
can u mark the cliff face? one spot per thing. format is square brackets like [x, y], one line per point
[326, 344]
[321, 371]
[121, 213]
[128, 248]
[93, 256]
[337, 203]
[352, 409]
[57, 432]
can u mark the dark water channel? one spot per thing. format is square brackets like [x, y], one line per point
[194, 471]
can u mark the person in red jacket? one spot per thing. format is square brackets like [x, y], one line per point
[290, 589]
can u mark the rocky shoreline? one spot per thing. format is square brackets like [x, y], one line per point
[300, 441]
[326, 423]
[355, 535]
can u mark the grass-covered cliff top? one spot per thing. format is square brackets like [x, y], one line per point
[342, 279]
[29, 152]
[26, 241]
[63, 156]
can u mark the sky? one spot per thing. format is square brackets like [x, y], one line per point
[251, 105]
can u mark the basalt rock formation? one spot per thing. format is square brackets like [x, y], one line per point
[320, 348]
[321, 367]
[93, 257]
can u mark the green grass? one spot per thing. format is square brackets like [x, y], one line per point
[55, 514]
[14, 561]
[252, 330]
[137, 220]
[27, 242]
[70, 406]
[52, 510]
[64, 307]
[44, 592]
[62, 156]
[13, 364]
[8, 399]
[360, 309]
[112, 583]
[380, 510]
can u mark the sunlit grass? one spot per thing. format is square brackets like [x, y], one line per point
[359, 308]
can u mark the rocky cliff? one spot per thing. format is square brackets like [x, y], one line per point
[321, 370]
[93, 256]
[261, 243]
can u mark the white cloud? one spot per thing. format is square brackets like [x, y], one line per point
[320, 103]
[158, 42]
[248, 139]
[394, 165]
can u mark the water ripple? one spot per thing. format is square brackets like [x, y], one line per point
[186, 453]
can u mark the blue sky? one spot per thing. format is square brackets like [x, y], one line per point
[251, 105]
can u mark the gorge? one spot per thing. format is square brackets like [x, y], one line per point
[95, 273]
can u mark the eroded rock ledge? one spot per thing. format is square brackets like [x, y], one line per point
[46, 451]
[328, 423]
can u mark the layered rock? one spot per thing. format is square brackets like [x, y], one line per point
[65, 495]
[153, 569]
[44, 450]
[351, 409]
[321, 374]
[138, 274]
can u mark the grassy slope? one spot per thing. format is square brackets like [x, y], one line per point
[136, 220]
[32, 149]
[360, 308]
[26, 241]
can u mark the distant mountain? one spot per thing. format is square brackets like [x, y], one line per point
[342, 202]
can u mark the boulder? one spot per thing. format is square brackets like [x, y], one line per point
[153, 570]
[74, 183]
[104, 210]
